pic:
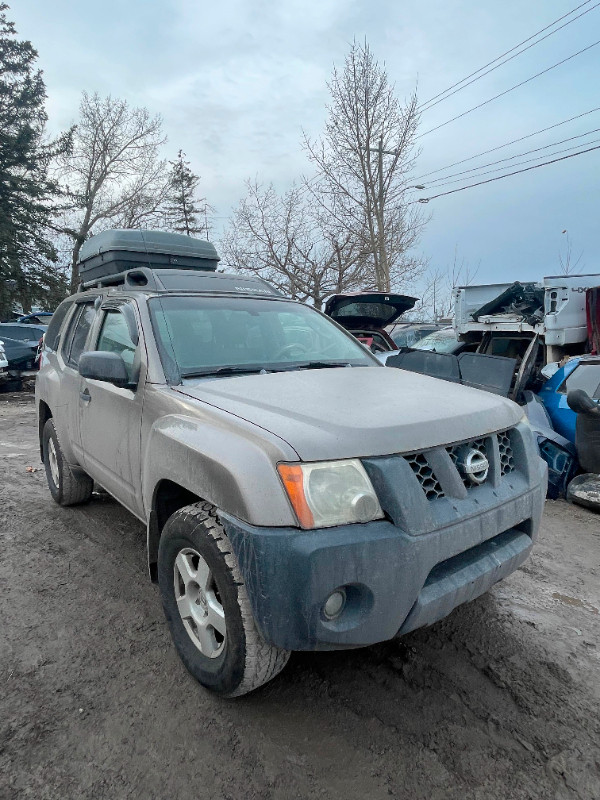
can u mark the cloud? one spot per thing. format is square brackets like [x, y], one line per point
[236, 82]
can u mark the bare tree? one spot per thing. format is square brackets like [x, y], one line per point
[293, 244]
[568, 262]
[363, 161]
[437, 301]
[114, 174]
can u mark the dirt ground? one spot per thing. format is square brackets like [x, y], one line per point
[500, 700]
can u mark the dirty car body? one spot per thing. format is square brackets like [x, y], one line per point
[219, 394]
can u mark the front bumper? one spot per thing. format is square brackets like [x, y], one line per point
[395, 581]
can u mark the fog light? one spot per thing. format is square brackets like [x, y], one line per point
[334, 604]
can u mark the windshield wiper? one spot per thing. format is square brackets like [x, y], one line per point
[239, 369]
[314, 365]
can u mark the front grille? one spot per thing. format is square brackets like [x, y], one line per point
[507, 463]
[429, 483]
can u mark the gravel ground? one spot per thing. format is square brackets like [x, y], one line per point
[500, 700]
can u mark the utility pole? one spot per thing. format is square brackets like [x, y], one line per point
[384, 277]
[382, 267]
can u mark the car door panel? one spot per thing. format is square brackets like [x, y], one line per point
[67, 412]
[110, 419]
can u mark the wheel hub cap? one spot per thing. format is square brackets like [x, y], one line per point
[53, 463]
[199, 602]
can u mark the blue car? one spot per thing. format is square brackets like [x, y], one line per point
[582, 372]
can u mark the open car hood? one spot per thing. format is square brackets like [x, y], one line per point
[367, 310]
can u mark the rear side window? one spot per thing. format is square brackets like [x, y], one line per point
[586, 377]
[51, 339]
[77, 334]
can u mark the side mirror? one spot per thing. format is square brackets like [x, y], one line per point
[103, 366]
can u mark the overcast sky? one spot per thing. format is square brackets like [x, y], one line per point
[236, 82]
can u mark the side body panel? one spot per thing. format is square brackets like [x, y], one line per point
[57, 385]
[215, 455]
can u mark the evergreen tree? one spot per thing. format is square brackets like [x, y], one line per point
[27, 256]
[185, 212]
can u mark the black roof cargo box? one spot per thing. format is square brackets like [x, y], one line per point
[111, 252]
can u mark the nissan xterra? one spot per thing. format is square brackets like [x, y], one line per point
[297, 494]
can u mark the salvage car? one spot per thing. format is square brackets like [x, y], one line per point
[577, 373]
[19, 355]
[410, 334]
[27, 335]
[279, 515]
[367, 314]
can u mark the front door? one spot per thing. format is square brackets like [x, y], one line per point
[110, 417]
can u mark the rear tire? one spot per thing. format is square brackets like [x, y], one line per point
[67, 487]
[207, 606]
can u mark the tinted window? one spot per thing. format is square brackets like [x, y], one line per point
[56, 322]
[78, 333]
[379, 312]
[586, 377]
[115, 338]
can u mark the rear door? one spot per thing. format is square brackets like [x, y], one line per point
[73, 345]
[110, 417]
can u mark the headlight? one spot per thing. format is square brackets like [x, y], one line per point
[330, 493]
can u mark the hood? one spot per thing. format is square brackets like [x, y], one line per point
[367, 310]
[329, 414]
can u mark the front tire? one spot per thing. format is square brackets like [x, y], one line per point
[67, 487]
[207, 607]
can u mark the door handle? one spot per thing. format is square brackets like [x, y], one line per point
[85, 396]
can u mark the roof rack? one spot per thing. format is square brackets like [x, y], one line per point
[166, 279]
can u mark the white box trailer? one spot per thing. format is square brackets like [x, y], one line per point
[555, 309]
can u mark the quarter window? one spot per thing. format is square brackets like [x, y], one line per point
[52, 334]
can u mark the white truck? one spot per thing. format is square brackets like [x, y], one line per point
[506, 318]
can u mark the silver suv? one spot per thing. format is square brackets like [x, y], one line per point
[297, 494]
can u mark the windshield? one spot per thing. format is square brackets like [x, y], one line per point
[408, 337]
[207, 335]
[586, 377]
[441, 341]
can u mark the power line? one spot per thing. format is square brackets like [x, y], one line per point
[507, 144]
[448, 92]
[512, 88]
[517, 155]
[518, 163]
[508, 175]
